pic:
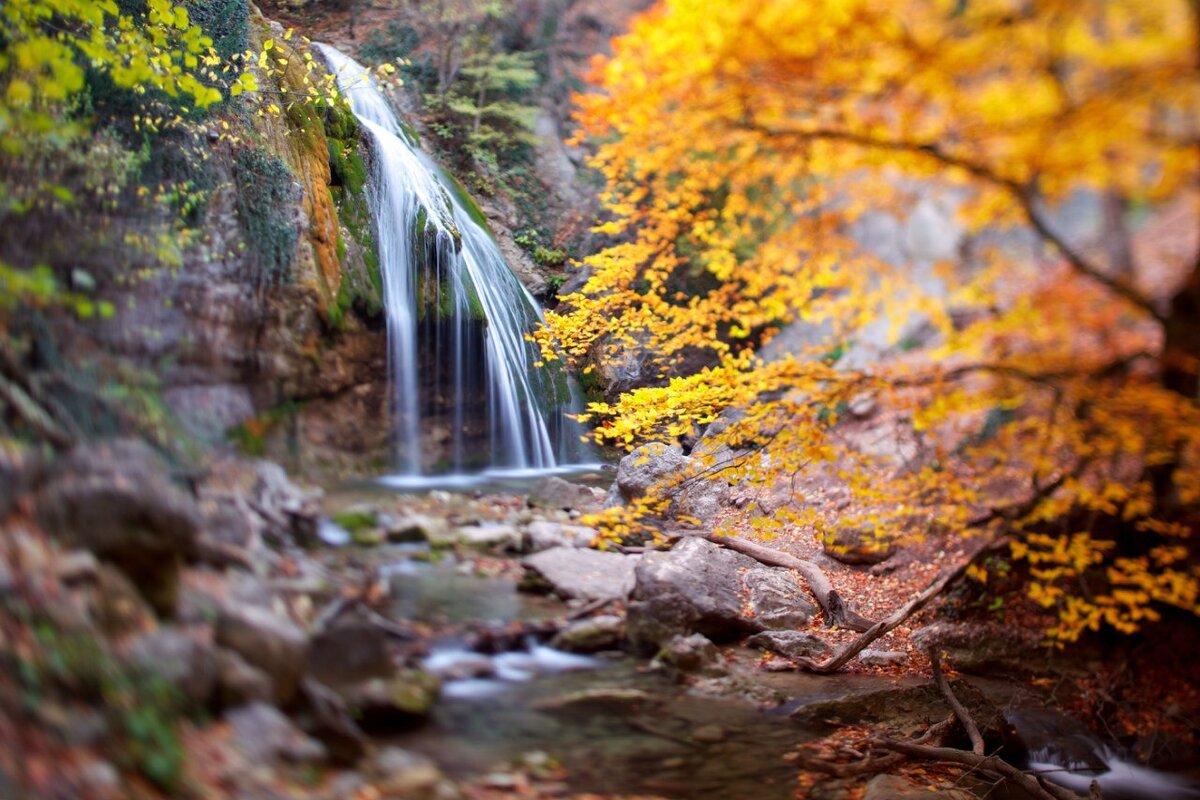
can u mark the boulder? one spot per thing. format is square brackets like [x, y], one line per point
[273, 644]
[543, 534]
[790, 644]
[646, 466]
[489, 536]
[186, 662]
[351, 648]
[699, 587]
[117, 500]
[556, 493]
[694, 653]
[262, 734]
[882, 658]
[859, 546]
[656, 462]
[983, 646]
[382, 704]
[579, 573]
[590, 635]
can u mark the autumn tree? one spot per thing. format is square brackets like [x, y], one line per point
[1055, 400]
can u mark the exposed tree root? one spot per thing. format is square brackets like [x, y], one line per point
[960, 711]
[837, 611]
[1042, 790]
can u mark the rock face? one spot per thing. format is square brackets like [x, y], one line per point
[585, 574]
[699, 587]
[116, 499]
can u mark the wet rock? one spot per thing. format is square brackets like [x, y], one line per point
[590, 635]
[859, 546]
[554, 492]
[608, 698]
[579, 573]
[543, 534]
[352, 648]
[703, 588]
[790, 644]
[184, 661]
[882, 658]
[116, 499]
[979, 647]
[894, 787]
[263, 734]
[391, 703]
[693, 653]
[239, 683]
[271, 643]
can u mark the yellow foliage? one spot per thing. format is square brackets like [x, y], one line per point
[741, 141]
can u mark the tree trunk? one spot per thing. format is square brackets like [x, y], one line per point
[1181, 348]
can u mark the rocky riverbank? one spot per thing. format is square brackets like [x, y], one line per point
[224, 632]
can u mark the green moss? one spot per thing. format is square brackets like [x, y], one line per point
[355, 521]
[264, 194]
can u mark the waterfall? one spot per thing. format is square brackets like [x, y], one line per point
[466, 392]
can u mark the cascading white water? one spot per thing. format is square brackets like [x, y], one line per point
[457, 317]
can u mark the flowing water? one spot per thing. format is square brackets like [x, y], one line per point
[468, 393]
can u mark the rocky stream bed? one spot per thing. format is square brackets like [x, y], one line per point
[371, 642]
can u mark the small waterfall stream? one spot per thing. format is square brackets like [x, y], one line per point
[466, 394]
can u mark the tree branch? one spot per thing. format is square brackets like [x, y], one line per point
[1024, 193]
[837, 611]
[1043, 790]
[960, 711]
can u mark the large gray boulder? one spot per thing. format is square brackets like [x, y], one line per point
[572, 572]
[699, 587]
[648, 465]
[554, 492]
[656, 464]
[117, 500]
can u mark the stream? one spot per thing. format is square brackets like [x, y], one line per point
[612, 723]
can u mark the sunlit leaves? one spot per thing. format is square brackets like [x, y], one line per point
[743, 141]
